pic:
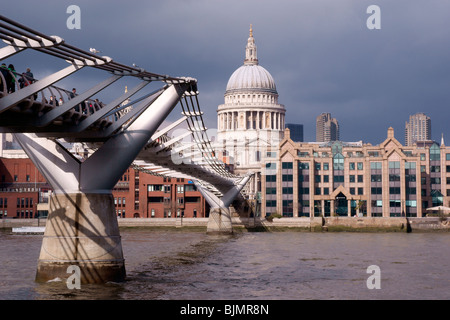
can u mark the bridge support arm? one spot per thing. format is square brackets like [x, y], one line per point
[82, 227]
[219, 221]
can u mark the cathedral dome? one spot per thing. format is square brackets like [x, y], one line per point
[251, 76]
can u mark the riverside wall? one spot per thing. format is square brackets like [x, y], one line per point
[317, 224]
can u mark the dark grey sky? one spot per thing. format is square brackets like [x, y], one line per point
[320, 52]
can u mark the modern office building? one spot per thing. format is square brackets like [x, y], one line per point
[327, 128]
[296, 131]
[353, 178]
[418, 129]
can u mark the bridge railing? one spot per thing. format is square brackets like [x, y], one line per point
[51, 97]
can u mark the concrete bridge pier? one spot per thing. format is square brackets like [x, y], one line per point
[219, 215]
[82, 228]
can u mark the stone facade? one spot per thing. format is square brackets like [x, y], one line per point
[355, 179]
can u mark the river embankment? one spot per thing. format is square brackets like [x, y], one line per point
[316, 224]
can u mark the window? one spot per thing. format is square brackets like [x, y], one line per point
[375, 178]
[326, 178]
[326, 166]
[394, 177]
[360, 178]
[287, 177]
[271, 165]
[376, 190]
[180, 188]
[326, 191]
[422, 157]
[352, 166]
[303, 165]
[447, 156]
[302, 154]
[435, 169]
[352, 178]
[394, 164]
[435, 153]
[317, 165]
[288, 190]
[435, 180]
[338, 162]
[271, 178]
[423, 168]
[317, 191]
[360, 191]
[271, 190]
[317, 178]
[286, 165]
[394, 190]
[375, 165]
[410, 165]
[352, 191]
[360, 166]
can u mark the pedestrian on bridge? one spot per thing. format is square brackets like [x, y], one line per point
[11, 84]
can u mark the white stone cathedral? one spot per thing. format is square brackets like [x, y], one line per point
[251, 122]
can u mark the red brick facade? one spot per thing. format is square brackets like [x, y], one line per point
[22, 187]
[137, 194]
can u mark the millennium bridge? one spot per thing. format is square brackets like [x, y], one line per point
[82, 227]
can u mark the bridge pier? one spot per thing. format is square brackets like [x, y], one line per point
[82, 230]
[219, 221]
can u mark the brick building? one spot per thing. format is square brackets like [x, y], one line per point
[142, 195]
[23, 189]
[24, 193]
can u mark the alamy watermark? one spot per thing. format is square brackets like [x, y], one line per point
[74, 280]
[74, 20]
[374, 281]
[374, 21]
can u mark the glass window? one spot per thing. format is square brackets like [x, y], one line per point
[410, 165]
[317, 178]
[360, 191]
[394, 164]
[360, 166]
[286, 165]
[360, 178]
[326, 178]
[352, 178]
[271, 165]
[303, 165]
[435, 153]
[317, 165]
[338, 162]
[326, 166]
[375, 165]
[422, 157]
[447, 156]
[352, 166]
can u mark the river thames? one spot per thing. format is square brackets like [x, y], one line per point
[191, 265]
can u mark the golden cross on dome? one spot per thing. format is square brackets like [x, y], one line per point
[251, 31]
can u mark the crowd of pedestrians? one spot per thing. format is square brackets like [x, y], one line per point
[10, 79]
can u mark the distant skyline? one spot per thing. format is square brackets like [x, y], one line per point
[321, 54]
